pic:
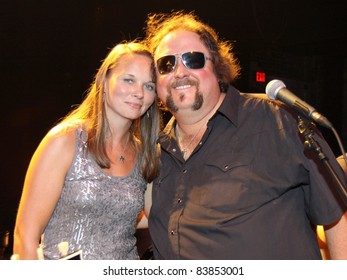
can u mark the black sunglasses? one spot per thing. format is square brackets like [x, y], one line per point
[191, 60]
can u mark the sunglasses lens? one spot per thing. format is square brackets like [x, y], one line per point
[194, 60]
[166, 64]
[191, 60]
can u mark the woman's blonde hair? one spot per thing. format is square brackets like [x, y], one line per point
[91, 112]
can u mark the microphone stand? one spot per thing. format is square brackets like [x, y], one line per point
[312, 144]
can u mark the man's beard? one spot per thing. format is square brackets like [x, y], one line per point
[170, 104]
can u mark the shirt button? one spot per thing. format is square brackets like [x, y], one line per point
[172, 232]
[179, 200]
[226, 167]
[174, 150]
[184, 171]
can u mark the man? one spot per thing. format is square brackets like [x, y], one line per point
[234, 180]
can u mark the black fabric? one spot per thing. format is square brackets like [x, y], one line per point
[249, 191]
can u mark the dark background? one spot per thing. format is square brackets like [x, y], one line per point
[50, 51]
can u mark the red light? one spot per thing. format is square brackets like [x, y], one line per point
[260, 77]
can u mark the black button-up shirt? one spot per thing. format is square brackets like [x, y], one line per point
[248, 191]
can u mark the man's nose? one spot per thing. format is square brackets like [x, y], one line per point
[181, 70]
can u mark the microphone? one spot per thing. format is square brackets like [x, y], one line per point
[276, 89]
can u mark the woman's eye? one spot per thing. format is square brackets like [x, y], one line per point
[129, 81]
[150, 87]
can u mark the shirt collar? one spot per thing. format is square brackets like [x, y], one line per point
[229, 108]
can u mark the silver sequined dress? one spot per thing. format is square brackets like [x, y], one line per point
[96, 213]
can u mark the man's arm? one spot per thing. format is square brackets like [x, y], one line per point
[336, 236]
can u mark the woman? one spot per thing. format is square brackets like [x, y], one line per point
[86, 181]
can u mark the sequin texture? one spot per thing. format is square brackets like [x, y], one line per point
[96, 213]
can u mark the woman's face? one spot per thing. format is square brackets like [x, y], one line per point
[130, 89]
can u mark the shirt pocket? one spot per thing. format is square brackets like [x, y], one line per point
[229, 160]
[228, 182]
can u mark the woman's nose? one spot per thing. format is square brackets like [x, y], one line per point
[138, 92]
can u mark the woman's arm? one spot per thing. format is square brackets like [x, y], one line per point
[148, 199]
[142, 221]
[42, 188]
